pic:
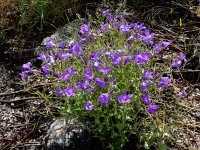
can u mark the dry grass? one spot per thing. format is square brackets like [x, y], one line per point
[7, 7]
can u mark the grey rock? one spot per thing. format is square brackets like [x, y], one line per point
[66, 33]
[68, 135]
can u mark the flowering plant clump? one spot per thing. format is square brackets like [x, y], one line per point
[108, 78]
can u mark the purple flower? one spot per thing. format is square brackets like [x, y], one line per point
[132, 37]
[107, 54]
[121, 16]
[50, 44]
[142, 58]
[104, 26]
[164, 82]
[106, 12]
[27, 66]
[64, 77]
[146, 99]
[69, 91]
[176, 64]
[96, 66]
[66, 56]
[59, 91]
[148, 38]
[83, 85]
[112, 90]
[116, 25]
[125, 28]
[24, 75]
[147, 74]
[95, 55]
[70, 71]
[77, 49]
[42, 57]
[45, 69]
[85, 29]
[100, 82]
[105, 70]
[51, 60]
[58, 55]
[181, 94]
[88, 74]
[104, 99]
[62, 44]
[127, 59]
[124, 98]
[138, 27]
[56, 75]
[166, 44]
[116, 60]
[88, 106]
[145, 85]
[182, 57]
[157, 48]
[153, 109]
[111, 18]
[71, 44]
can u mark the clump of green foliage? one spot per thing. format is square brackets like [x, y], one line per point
[108, 80]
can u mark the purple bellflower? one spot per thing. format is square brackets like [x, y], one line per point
[70, 71]
[145, 85]
[116, 60]
[83, 85]
[69, 91]
[153, 109]
[27, 66]
[88, 74]
[24, 75]
[62, 44]
[58, 55]
[77, 49]
[146, 99]
[124, 98]
[176, 64]
[51, 60]
[166, 44]
[100, 82]
[164, 82]
[142, 58]
[42, 57]
[59, 91]
[50, 43]
[85, 29]
[182, 57]
[125, 28]
[96, 66]
[65, 56]
[88, 106]
[105, 70]
[104, 27]
[147, 74]
[65, 77]
[157, 48]
[103, 99]
[106, 12]
[111, 18]
[181, 94]
[45, 69]
[116, 25]
[121, 16]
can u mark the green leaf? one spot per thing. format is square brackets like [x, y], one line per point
[161, 144]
